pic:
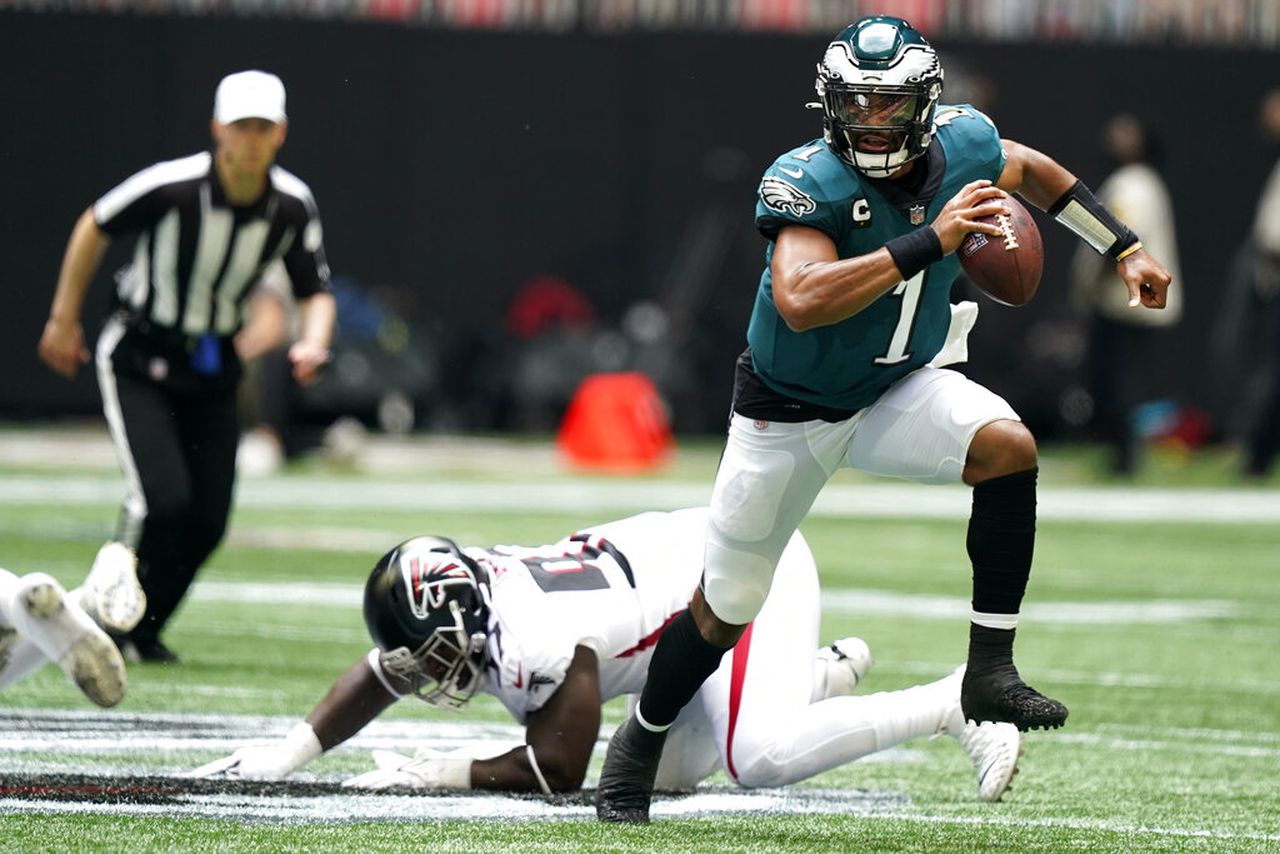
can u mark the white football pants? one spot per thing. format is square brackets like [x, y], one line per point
[753, 716]
[771, 472]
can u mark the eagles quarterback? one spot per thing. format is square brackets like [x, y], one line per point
[850, 331]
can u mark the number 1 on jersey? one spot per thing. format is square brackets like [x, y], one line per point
[910, 293]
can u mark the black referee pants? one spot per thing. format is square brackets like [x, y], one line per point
[176, 435]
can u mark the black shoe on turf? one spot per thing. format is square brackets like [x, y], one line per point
[1001, 695]
[149, 650]
[630, 767]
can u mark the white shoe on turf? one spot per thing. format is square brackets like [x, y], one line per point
[994, 748]
[838, 668]
[91, 659]
[115, 598]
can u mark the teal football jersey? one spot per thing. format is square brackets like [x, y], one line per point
[848, 365]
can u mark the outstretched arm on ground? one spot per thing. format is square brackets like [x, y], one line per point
[356, 698]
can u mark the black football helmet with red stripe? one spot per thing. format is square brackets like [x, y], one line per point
[426, 607]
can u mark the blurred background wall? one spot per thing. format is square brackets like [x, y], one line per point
[483, 169]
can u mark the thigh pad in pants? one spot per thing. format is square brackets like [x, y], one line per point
[767, 481]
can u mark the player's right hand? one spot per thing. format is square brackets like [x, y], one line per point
[959, 215]
[426, 769]
[62, 347]
[255, 762]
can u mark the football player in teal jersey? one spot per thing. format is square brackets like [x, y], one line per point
[851, 329]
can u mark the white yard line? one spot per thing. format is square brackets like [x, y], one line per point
[834, 601]
[593, 498]
[73, 733]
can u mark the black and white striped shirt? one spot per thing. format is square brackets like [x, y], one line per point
[197, 255]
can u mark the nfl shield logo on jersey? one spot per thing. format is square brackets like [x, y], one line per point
[916, 213]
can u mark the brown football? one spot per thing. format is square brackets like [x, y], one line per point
[1006, 269]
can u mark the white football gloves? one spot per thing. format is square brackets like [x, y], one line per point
[428, 769]
[265, 761]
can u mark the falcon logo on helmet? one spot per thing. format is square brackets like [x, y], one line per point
[878, 86]
[426, 606]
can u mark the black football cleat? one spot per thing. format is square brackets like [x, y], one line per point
[630, 768]
[145, 650]
[1000, 695]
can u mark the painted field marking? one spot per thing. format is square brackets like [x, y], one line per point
[72, 732]
[593, 498]
[834, 600]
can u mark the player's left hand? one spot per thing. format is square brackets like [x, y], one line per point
[309, 360]
[429, 769]
[255, 762]
[1147, 279]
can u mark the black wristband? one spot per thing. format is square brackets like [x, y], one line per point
[1079, 210]
[914, 251]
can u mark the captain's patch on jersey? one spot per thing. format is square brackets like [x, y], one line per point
[785, 198]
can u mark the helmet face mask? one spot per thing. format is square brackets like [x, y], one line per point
[426, 607]
[878, 86]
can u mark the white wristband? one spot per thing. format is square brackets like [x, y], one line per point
[301, 745]
[455, 772]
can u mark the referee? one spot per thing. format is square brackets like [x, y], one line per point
[206, 226]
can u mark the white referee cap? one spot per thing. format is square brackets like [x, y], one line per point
[249, 95]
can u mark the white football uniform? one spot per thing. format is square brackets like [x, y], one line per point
[41, 622]
[612, 588]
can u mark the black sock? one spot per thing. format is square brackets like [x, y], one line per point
[989, 648]
[1001, 540]
[681, 662]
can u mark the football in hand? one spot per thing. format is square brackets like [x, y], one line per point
[1007, 268]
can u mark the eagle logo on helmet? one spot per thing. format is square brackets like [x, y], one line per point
[878, 87]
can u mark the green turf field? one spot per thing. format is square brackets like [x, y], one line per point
[1162, 637]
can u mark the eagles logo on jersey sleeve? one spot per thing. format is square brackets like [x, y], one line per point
[793, 192]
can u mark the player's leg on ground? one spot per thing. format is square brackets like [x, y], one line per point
[937, 426]
[775, 744]
[783, 639]
[768, 478]
[50, 622]
[769, 732]
[767, 680]
[838, 668]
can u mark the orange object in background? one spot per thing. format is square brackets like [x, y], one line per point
[616, 422]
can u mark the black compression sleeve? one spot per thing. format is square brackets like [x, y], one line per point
[1081, 211]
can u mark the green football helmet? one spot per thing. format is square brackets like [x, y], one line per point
[878, 86]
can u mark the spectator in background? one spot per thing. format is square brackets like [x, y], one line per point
[1264, 437]
[278, 423]
[1118, 335]
[206, 226]
[269, 327]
